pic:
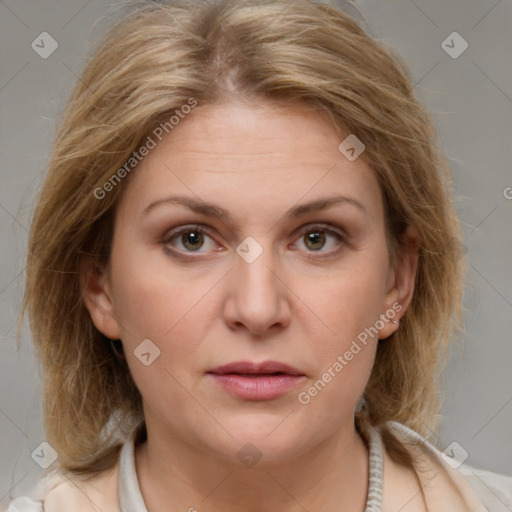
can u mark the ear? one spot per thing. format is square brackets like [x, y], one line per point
[400, 283]
[97, 297]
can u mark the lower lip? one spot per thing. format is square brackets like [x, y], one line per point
[263, 387]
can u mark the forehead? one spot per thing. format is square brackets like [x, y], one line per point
[266, 131]
[251, 154]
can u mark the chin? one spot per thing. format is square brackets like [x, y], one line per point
[265, 437]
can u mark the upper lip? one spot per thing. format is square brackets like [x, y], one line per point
[264, 367]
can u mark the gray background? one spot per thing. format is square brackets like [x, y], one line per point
[470, 98]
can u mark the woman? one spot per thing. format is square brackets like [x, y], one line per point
[244, 273]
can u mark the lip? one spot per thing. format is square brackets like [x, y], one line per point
[264, 367]
[256, 381]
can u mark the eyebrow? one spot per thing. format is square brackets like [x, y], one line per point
[209, 209]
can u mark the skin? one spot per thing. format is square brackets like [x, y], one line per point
[299, 302]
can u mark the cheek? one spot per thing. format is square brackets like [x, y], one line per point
[348, 304]
[350, 300]
[149, 298]
[160, 302]
[345, 356]
[164, 310]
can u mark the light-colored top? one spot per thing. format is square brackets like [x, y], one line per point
[118, 490]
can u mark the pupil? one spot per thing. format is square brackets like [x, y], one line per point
[315, 239]
[192, 239]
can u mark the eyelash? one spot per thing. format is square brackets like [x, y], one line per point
[197, 228]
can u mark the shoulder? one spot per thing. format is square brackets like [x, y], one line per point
[61, 492]
[24, 504]
[448, 477]
[494, 489]
[58, 493]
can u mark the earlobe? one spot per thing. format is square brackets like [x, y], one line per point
[403, 277]
[97, 298]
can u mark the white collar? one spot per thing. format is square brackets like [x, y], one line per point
[130, 497]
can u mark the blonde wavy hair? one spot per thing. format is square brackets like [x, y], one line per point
[149, 64]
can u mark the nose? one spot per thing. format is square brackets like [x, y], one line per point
[257, 296]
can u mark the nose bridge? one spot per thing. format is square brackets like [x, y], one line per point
[254, 266]
[257, 297]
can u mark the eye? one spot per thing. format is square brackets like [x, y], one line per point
[317, 237]
[195, 239]
[189, 239]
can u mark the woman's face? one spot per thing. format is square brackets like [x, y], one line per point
[290, 265]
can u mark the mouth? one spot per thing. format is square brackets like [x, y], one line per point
[256, 381]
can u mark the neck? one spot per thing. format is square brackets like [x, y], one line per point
[329, 475]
